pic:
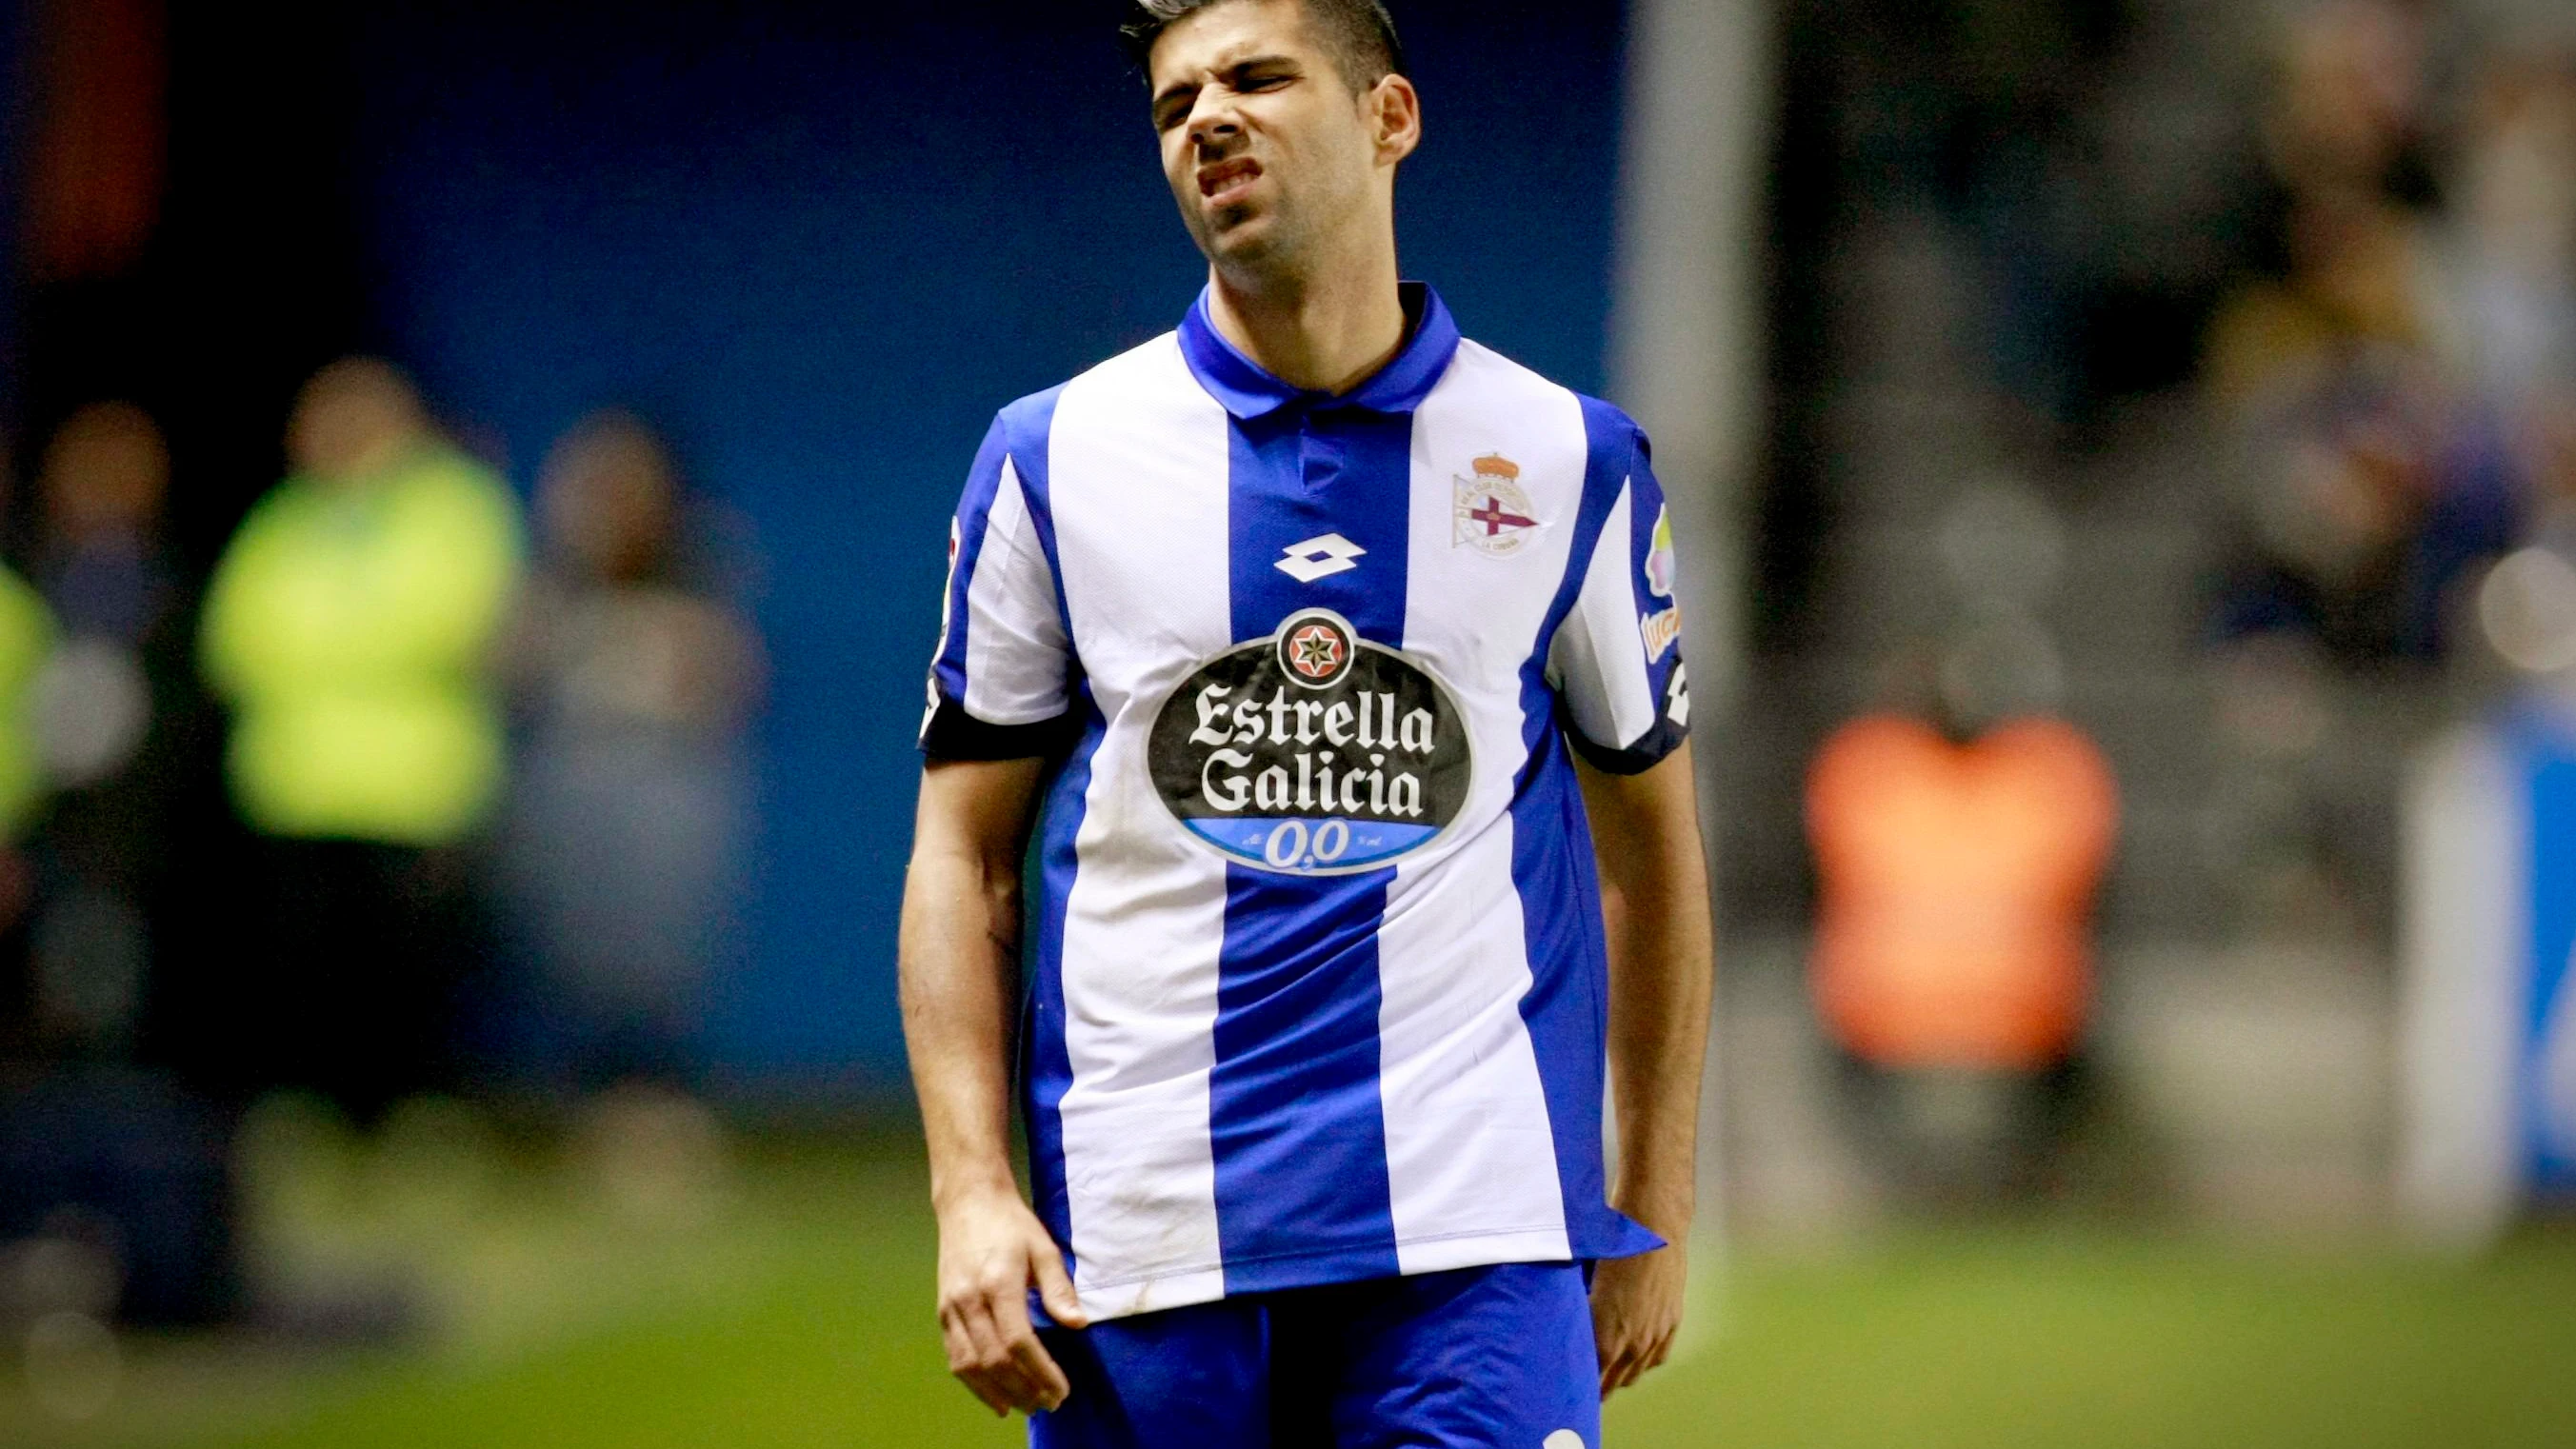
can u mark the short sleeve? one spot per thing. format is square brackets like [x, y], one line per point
[1616, 660]
[999, 684]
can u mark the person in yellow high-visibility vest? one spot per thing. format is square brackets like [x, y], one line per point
[27, 637]
[351, 627]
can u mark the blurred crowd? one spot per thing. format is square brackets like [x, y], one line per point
[2400, 376]
[2319, 315]
[2392, 383]
[483, 809]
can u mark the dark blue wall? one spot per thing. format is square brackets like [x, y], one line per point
[821, 248]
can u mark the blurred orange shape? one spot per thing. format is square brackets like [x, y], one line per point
[1958, 885]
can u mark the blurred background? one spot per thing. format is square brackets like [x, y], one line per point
[471, 488]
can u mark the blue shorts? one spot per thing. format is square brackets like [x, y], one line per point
[1498, 1357]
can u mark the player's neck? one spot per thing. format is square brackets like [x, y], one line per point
[1326, 331]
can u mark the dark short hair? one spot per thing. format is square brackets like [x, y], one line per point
[1359, 33]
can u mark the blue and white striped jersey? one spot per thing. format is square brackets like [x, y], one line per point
[1317, 987]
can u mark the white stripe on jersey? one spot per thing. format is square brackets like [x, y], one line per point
[1452, 963]
[1599, 641]
[1136, 471]
[1009, 677]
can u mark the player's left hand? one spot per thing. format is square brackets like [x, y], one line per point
[1636, 1310]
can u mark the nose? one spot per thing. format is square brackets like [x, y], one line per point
[1212, 122]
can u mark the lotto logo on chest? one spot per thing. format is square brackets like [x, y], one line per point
[1312, 752]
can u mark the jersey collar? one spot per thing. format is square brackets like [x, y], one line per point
[1247, 390]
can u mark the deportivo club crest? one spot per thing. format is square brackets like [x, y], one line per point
[1493, 516]
[1312, 752]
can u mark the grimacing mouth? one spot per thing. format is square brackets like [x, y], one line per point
[1216, 176]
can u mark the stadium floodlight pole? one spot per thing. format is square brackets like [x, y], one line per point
[1347, 655]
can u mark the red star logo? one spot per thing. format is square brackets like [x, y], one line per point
[1316, 651]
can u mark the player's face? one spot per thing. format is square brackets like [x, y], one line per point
[1264, 144]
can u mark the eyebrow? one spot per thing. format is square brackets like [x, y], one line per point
[1182, 88]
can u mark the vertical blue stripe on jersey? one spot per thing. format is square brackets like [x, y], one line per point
[1019, 433]
[1298, 1126]
[1046, 1067]
[1567, 1008]
[1027, 426]
[974, 515]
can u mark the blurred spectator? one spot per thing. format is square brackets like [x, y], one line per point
[27, 633]
[104, 483]
[631, 807]
[2341, 138]
[2367, 497]
[1958, 884]
[350, 626]
[2374, 387]
[108, 708]
[108, 1170]
[1953, 951]
[26, 640]
[2508, 254]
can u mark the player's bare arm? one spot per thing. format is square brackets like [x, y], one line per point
[1654, 899]
[960, 972]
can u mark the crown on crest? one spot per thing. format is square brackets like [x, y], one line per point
[1497, 466]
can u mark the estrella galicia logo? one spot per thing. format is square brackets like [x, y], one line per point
[1313, 752]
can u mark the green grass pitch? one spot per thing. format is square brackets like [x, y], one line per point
[797, 1315]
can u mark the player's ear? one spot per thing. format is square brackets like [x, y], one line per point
[1396, 114]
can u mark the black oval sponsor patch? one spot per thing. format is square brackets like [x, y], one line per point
[1313, 752]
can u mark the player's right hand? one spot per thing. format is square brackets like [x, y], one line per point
[991, 1249]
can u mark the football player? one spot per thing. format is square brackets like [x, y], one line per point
[1333, 663]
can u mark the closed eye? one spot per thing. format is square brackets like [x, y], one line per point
[1251, 77]
[1261, 75]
